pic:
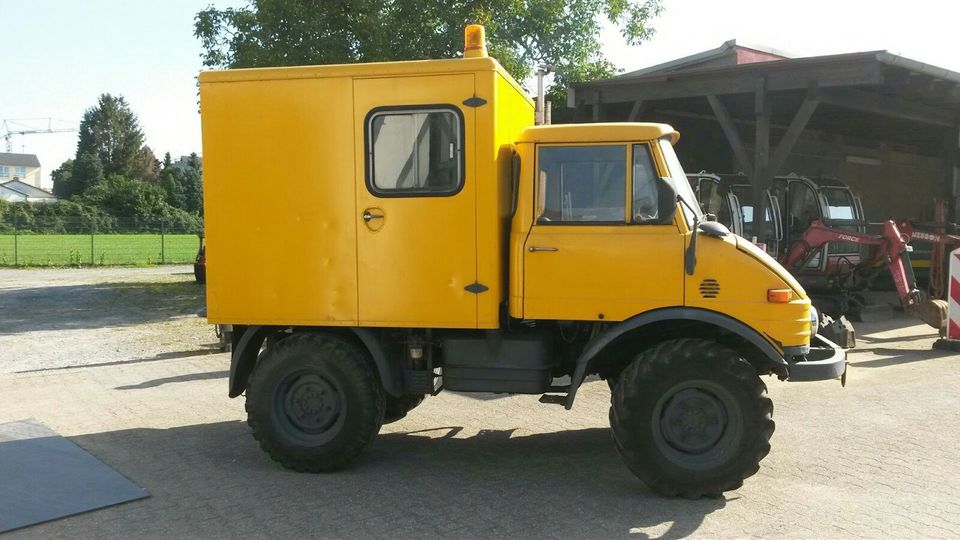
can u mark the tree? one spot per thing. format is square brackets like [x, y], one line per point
[182, 183]
[145, 166]
[123, 197]
[62, 177]
[521, 33]
[110, 132]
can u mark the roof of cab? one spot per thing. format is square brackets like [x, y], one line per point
[378, 69]
[600, 132]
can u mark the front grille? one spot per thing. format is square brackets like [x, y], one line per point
[709, 288]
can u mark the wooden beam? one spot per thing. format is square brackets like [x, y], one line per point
[797, 125]
[679, 85]
[888, 106]
[635, 110]
[731, 133]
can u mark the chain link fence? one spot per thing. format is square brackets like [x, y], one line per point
[81, 241]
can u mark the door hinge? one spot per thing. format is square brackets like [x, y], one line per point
[475, 102]
[476, 288]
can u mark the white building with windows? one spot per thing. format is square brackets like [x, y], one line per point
[22, 167]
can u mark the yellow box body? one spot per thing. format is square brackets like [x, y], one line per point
[285, 193]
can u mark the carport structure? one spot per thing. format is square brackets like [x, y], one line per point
[885, 124]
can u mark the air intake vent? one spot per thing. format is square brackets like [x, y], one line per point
[709, 288]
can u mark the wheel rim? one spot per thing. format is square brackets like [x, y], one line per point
[697, 424]
[310, 407]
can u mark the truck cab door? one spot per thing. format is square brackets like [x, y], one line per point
[597, 249]
[416, 201]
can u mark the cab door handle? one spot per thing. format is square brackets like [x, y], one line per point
[534, 249]
[368, 215]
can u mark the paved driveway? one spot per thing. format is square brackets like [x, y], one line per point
[876, 459]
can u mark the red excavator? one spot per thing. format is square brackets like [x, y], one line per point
[940, 238]
[890, 249]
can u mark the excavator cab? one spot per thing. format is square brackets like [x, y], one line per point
[805, 200]
[716, 199]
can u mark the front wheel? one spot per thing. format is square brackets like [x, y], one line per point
[691, 418]
[314, 402]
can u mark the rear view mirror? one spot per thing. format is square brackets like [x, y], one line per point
[666, 200]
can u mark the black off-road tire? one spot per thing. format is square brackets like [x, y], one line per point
[314, 402]
[691, 418]
[398, 407]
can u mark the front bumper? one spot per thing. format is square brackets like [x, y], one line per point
[826, 360]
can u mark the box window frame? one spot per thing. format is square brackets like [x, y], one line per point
[460, 148]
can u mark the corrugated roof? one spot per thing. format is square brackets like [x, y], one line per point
[685, 62]
[19, 160]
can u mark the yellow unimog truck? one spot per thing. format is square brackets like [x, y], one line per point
[377, 233]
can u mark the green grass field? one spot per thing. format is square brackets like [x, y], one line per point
[107, 249]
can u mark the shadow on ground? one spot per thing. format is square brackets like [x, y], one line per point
[96, 305]
[212, 480]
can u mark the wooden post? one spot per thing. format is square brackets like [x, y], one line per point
[596, 107]
[762, 178]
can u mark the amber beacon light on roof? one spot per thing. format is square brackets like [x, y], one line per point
[431, 236]
[474, 41]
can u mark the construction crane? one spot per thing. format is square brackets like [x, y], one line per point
[28, 126]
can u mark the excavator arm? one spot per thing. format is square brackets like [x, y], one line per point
[891, 248]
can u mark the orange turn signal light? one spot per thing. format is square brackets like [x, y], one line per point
[779, 296]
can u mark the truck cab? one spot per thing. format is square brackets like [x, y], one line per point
[427, 236]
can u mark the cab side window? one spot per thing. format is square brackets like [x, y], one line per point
[645, 196]
[416, 152]
[581, 184]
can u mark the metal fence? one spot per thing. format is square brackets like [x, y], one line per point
[92, 241]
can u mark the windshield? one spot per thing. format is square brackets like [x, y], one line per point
[839, 203]
[680, 181]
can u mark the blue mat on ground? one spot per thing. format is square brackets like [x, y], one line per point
[44, 476]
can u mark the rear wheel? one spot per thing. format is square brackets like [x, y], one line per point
[691, 418]
[314, 402]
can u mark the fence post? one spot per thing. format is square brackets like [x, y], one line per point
[93, 231]
[163, 255]
[16, 239]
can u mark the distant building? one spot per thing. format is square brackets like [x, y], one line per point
[22, 167]
[19, 191]
[11, 195]
[184, 162]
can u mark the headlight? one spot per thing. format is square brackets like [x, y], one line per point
[814, 321]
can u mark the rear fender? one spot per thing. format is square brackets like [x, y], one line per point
[248, 340]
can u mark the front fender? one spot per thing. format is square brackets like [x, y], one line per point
[608, 336]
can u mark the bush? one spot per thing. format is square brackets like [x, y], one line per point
[115, 205]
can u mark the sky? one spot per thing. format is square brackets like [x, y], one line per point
[62, 54]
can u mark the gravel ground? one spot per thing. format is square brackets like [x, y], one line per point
[876, 459]
[78, 317]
